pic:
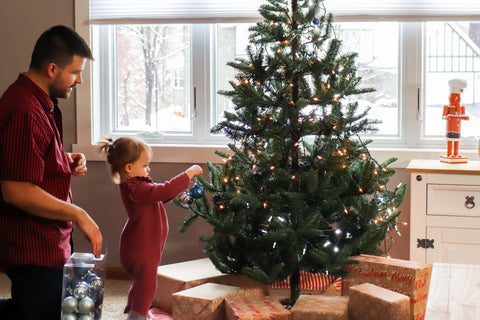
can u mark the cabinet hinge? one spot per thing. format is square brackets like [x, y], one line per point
[425, 243]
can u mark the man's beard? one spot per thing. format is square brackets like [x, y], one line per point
[57, 92]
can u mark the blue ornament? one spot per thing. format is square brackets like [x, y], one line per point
[316, 21]
[97, 314]
[196, 191]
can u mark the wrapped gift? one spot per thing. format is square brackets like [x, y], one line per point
[402, 276]
[371, 302]
[310, 283]
[313, 307]
[83, 287]
[258, 308]
[180, 276]
[206, 301]
[156, 314]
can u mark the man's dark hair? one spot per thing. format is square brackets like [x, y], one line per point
[58, 45]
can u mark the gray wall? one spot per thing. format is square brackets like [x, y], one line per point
[21, 22]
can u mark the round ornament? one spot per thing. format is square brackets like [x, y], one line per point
[96, 283]
[86, 305]
[81, 290]
[81, 270]
[69, 316]
[316, 21]
[185, 199]
[74, 282]
[98, 299]
[69, 304]
[98, 313]
[196, 192]
[85, 317]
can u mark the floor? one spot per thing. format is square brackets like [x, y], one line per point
[454, 293]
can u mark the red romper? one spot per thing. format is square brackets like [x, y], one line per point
[144, 234]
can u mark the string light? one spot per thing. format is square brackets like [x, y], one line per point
[221, 207]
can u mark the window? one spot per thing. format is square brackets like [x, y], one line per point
[452, 50]
[159, 76]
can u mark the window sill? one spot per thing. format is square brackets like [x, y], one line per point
[203, 153]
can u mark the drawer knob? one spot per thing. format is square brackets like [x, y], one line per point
[469, 202]
[419, 177]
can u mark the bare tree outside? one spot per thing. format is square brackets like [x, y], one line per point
[148, 57]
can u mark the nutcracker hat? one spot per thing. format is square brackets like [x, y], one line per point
[457, 85]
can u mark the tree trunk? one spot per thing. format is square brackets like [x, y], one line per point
[294, 289]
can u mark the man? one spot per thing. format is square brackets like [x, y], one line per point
[36, 213]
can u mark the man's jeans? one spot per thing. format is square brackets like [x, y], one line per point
[36, 294]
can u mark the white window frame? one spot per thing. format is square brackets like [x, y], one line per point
[202, 149]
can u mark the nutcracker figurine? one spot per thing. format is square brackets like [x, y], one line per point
[454, 113]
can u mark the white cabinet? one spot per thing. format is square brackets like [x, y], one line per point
[444, 211]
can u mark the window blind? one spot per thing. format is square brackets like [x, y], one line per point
[212, 11]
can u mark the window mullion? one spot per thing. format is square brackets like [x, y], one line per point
[412, 83]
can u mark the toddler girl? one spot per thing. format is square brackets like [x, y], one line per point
[145, 232]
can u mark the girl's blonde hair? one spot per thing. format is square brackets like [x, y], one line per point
[122, 151]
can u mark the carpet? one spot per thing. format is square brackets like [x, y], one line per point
[113, 304]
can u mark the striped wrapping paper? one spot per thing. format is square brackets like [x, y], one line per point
[311, 281]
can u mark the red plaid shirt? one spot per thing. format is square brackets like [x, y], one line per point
[31, 150]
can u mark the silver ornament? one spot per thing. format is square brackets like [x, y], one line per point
[85, 317]
[69, 316]
[96, 283]
[86, 305]
[80, 290]
[69, 304]
[185, 199]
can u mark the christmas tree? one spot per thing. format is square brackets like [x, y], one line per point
[299, 189]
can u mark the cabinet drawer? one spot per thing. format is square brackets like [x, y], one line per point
[453, 200]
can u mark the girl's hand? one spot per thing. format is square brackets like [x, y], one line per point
[78, 164]
[194, 171]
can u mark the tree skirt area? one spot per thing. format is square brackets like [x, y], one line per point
[114, 302]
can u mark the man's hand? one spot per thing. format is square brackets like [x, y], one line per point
[78, 164]
[90, 229]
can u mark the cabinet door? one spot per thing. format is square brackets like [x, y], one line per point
[454, 245]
